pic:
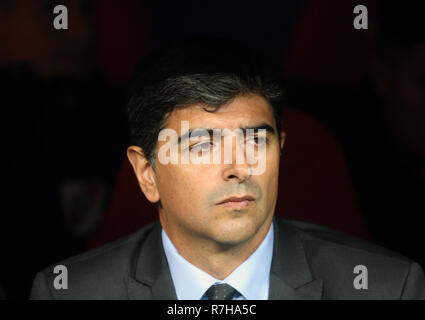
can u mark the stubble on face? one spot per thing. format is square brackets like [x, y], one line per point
[191, 212]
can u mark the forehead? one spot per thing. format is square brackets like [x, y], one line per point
[242, 111]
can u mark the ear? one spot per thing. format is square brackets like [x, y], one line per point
[144, 173]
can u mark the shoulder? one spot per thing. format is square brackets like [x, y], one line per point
[338, 259]
[313, 235]
[98, 273]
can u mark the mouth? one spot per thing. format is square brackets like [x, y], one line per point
[236, 202]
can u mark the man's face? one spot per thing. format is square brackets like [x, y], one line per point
[193, 196]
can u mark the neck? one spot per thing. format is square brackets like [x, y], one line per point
[217, 259]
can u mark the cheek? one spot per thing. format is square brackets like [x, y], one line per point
[273, 160]
[271, 185]
[181, 188]
[271, 175]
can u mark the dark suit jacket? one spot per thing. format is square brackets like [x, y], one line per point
[309, 262]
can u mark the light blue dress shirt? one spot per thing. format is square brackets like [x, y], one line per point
[250, 279]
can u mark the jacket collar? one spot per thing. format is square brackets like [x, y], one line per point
[152, 277]
[290, 274]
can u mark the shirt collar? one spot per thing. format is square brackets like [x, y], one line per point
[251, 278]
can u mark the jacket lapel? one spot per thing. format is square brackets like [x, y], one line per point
[152, 278]
[290, 274]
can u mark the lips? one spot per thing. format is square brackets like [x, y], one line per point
[237, 202]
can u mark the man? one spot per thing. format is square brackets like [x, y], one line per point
[206, 144]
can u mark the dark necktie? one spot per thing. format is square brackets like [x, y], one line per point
[221, 292]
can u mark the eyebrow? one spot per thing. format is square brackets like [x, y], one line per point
[203, 132]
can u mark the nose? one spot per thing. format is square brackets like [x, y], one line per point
[238, 170]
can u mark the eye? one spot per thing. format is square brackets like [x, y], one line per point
[201, 147]
[258, 141]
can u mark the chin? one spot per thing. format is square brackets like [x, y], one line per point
[235, 231]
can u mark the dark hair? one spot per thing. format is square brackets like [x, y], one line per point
[210, 72]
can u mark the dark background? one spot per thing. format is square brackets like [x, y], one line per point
[355, 118]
